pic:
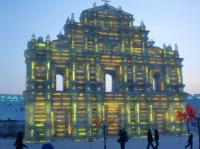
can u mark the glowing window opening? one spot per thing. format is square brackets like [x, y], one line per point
[108, 82]
[59, 82]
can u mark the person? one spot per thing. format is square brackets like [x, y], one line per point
[156, 138]
[47, 146]
[123, 138]
[190, 141]
[149, 139]
[19, 141]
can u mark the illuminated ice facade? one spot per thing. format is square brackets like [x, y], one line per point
[147, 85]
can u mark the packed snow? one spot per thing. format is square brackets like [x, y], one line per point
[166, 142]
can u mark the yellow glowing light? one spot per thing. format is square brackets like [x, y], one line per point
[52, 122]
[120, 71]
[134, 74]
[39, 104]
[129, 113]
[32, 70]
[146, 73]
[30, 118]
[74, 112]
[72, 42]
[39, 125]
[73, 72]
[172, 118]
[122, 46]
[69, 130]
[138, 112]
[125, 74]
[48, 109]
[67, 77]
[82, 133]
[88, 71]
[96, 47]
[151, 113]
[167, 78]
[178, 75]
[48, 68]
[171, 52]
[41, 44]
[83, 60]
[98, 73]
[67, 72]
[131, 47]
[167, 116]
[164, 50]
[162, 86]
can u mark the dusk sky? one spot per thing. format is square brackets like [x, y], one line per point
[169, 21]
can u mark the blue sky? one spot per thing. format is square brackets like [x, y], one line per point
[169, 21]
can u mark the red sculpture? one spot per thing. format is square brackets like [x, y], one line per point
[188, 115]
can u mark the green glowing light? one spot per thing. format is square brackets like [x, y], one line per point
[122, 46]
[96, 46]
[146, 73]
[131, 46]
[134, 74]
[48, 65]
[128, 113]
[48, 108]
[167, 78]
[125, 74]
[72, 42]
[86, 45]
[130, 24]
[138, 112]
[85, 19]
[74, 112]
[178, 75]
[88, 71]
[151, 113]
[164, 53]
[98, 72]
[32, 131]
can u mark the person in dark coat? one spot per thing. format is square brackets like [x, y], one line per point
[19, 141]
[156, 138]
[149, 139]
[190, 141]
[47, 146]
[123, 138]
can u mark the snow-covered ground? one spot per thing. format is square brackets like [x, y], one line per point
[166, 142]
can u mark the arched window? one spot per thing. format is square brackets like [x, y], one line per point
[108, 82]
[59, 82]
[156, 82]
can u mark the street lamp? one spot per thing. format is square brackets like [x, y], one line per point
[104, 134]
[100, 123]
